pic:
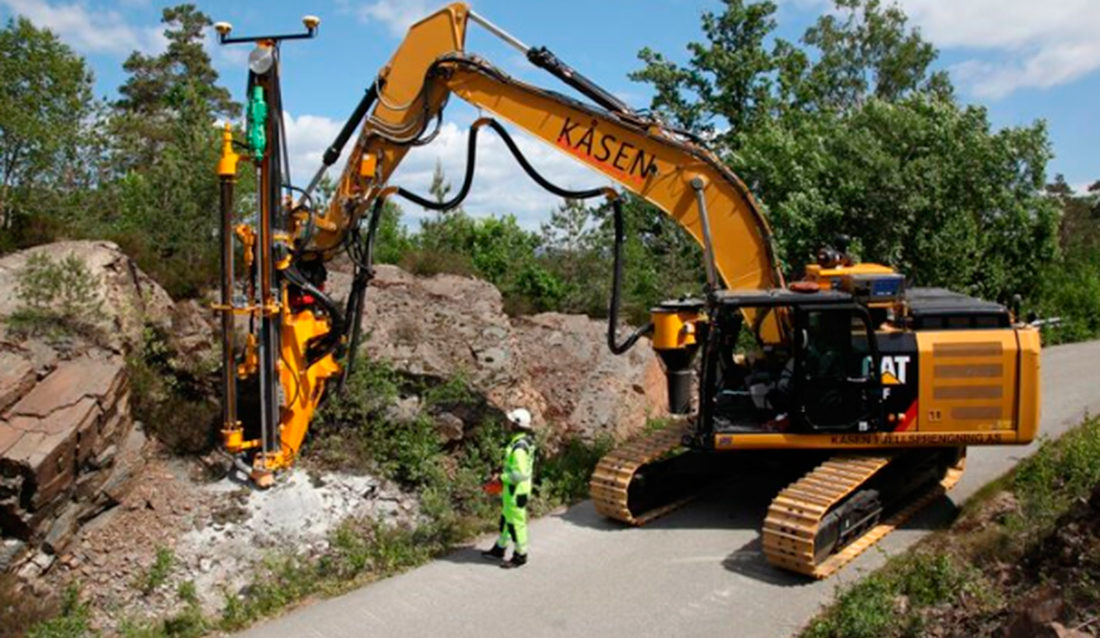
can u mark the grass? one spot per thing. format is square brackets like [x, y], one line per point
[889, 601]
[360, 552]
[190, 622]
[158, 572]
[71, 622]
[954, 577]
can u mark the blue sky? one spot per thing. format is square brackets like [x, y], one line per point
[1021, 59]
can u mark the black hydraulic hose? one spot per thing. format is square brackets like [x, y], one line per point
[471, 157]
[616, 205]
[545, 59]
[616, 288]
[364, 272]
[327, 344]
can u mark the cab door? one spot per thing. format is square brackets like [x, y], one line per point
[836, 390]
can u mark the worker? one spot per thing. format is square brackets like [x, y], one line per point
[515, 475]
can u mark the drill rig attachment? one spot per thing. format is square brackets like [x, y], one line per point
[294, 330]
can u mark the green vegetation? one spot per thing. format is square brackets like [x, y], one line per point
[58, 299]
[172, 397]
[563, 478]
[158, 572]
[969, 575]
[873, 607]
[1048, 482]
[72, 622]
[187, 623]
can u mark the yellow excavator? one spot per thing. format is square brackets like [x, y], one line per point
[884, 385]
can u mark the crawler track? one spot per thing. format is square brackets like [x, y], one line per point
[795, 515]
[610, 486]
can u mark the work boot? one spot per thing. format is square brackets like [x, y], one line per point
[518, 560]
[496, 553]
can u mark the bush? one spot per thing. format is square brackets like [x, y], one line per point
[357, 431]
[1061, 471]
[563, 478]
[1070, 291]
[57, 299]
[172, 398]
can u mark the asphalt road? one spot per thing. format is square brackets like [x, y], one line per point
[696, 572]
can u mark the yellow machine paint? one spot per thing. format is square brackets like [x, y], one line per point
[302, 385]
[976, 385]
[674, 329]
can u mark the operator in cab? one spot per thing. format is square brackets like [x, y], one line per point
[515, 475]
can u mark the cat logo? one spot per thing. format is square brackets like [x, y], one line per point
[894, 369]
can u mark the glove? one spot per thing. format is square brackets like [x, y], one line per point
[493, 487]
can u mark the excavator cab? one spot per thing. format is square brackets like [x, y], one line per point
[834, 386]
[819, 380]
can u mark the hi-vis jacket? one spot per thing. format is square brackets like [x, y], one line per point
[519, 464]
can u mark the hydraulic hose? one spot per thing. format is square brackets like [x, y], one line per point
[616, 206]
[327, 344]
[364, 272]
[616, 288]
[468, 178]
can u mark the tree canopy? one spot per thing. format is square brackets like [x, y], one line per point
[851, 131]
[45, 102]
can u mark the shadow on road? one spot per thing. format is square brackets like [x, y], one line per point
[741, 502]
[470, 555]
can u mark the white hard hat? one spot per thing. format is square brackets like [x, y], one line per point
[520, 418]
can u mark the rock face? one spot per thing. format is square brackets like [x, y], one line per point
[68, 448]
[583, 385]
[555, 365]
[130, 298]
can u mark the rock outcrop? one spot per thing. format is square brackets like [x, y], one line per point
[68, 448]
[556, 365]
[583, 386]
[130, 298]
[60, 447]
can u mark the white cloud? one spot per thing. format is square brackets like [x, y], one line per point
[89, 31]
[397, 15]
[500, 185]
[1045, 43]
[307, 137]
[1034, 44]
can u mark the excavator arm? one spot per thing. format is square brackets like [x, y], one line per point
[639, 153]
